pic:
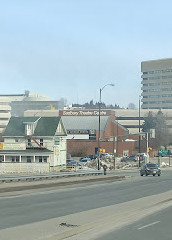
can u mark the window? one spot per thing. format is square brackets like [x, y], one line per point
[155, 102]
[41, 142]
[154, 96]
[129, 118]
[29, 142]
[152, 78]
[40, 159]
[166, 83]
[45, 159]
[28, 159]
[154, 84]
[167, 101]
[16, 140]
[158, 71]
[29, 128]
[166, 89]
[15, 159]
[167, 95]
[155, 90]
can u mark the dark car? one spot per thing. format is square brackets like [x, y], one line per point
[132, 158]
[72, 163]
[150, 169]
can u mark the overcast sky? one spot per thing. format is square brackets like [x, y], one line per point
[72, 48]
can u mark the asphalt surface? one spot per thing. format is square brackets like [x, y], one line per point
[20, 209]
[157, 226]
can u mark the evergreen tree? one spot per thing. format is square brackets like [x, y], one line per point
[149, 122]
[157, 122]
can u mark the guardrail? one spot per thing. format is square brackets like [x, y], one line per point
[48, 176]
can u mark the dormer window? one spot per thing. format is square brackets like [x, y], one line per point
[29, 129]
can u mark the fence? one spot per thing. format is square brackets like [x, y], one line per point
[7, 168]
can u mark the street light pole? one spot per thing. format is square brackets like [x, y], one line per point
[98, 163]
[100, 101]
[139, 132]
[117, 140]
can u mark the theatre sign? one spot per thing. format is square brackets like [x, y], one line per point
[84, 113]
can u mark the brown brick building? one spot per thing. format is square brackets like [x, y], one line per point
[82, 130]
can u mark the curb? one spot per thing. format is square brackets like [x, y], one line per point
[60, 183]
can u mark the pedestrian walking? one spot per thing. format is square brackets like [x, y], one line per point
[104, 169]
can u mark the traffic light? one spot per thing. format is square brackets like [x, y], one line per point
[149, 149]
[102, 150]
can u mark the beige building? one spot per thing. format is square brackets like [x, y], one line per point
[157, 84]
[129, 118]
[5, 113]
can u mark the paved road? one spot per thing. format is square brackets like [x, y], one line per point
[35, 207]
[157, 226]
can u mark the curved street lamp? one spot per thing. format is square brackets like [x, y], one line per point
[101, 89]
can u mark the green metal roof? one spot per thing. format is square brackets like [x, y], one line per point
[46, 126]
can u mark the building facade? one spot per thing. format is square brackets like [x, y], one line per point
[20, 103]
[34, 140]
[82, 128]
[5, 113]
[157, 84]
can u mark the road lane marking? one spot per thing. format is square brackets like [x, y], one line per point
[148, 225]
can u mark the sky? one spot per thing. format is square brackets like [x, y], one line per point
[72, 48]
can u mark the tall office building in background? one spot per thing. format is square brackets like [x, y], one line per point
[157, 84]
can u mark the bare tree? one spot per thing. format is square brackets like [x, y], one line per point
[131, 106]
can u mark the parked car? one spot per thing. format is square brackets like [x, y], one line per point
[150, 169]
[91, 156]
[104, 155]
[72, 163]
[132, 158]
[85, 160]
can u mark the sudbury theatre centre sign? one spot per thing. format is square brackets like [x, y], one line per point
[84, 113]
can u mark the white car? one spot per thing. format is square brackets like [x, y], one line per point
[85, 160]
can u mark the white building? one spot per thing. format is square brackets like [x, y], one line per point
[34, 140]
